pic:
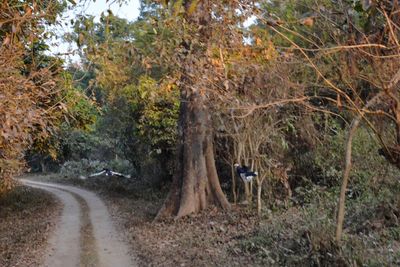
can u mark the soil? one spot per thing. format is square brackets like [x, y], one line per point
[27, 218]
[295, 237]
[85, 235]
[211, 238]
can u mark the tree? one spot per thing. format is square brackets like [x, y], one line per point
[28, 82]
[137, 94]
[218, 70]
[195, 183]
[384, 97]
[362, 37]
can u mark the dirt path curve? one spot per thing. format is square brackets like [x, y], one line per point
[85, 235]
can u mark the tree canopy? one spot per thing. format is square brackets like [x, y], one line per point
[285, 88]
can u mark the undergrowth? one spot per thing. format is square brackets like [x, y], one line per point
[304, 234]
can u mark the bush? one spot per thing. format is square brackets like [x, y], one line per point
[77, 144]
[85, 167]
[121, 165]
[322, 167]
[305, 237]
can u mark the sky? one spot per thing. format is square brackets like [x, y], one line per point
[128, 10]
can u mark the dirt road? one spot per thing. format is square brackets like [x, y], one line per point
[85, 235]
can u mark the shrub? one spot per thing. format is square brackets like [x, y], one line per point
[84, 167]
[121, 165]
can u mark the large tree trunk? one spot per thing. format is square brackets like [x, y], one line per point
[195, 185]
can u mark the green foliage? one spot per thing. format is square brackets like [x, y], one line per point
[367, 163]
[136, 93]
[77, 144]
[156, 110]
[85, 167]
[301, 237]
[321, 168]
[304, 236]
[82, 112]
[76, 112]
[135, 70]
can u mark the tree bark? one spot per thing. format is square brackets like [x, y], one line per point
[347, 168]
[346, 174]
[195, 184]
[233, 174]
[259, 191]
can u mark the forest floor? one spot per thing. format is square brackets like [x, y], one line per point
[207, 239]
[298, 236]
[27, 218]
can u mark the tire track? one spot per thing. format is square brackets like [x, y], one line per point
[88, 256]
[101, 245]
[64, 245]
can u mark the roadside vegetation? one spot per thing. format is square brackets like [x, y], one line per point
[306, 93]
